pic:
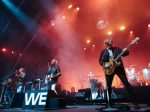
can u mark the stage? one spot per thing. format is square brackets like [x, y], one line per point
[67, 55]
[82, 108]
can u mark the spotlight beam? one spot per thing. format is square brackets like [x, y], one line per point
[21, 16]
[10, 19]
[27, 22]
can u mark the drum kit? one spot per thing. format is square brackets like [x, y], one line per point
[138, 76]
[96, 87]
[36, 84]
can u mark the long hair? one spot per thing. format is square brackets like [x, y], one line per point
[54, 62]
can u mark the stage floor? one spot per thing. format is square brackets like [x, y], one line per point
[81, 108]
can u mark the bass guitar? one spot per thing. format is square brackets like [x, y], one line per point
[109, 66]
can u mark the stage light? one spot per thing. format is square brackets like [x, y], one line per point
[148, 25]
[109, 32]
[88, 41]
[77, 8]
[93, 45]
[52, 24]
[84, 49]
[64, 17]
[131, 32]
[146, 84]
[12, 52]
[70, 6]
[20, 54]
[4, 50]
[29, 23]
[122, 28]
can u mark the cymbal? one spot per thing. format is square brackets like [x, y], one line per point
[37, 80]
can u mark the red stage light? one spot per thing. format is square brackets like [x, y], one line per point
[148, 25]
[64, 17]
[52, 24]
[77, 8]
[12, 52]
[4, 50]
[131, 32]
[70, 6]
[109, 32]
[88, 41]
[122, 28]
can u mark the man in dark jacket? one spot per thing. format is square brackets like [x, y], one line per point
[105, 56]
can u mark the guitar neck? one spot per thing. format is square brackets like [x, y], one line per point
[122, 52]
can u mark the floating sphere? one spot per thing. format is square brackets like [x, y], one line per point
[101, 24]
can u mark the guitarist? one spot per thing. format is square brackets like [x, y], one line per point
[105, 56]
[53, 73]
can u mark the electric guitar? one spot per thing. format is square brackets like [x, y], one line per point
[50, 77]
[109, 66]
[11, 84]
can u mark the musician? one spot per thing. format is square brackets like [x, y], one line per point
[20, 75]
[105, 55]
[7, 91]
[53, 73]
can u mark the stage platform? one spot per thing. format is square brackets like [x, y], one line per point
[84, 108]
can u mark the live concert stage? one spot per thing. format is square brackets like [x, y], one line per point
[74, 55]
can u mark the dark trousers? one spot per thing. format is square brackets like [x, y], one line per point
[50, 83]
[120, 72]
[7, 94]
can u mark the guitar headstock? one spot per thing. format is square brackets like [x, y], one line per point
[134, 40]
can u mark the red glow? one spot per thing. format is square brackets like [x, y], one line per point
[75, 28]
[12, 52]
[122, 28]
[131, 32]
[109, 32]
[77, 8]
[131, 35]
[52, 24]
[88, 41]
[4, 50]
[70, 6]
[64, 17]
